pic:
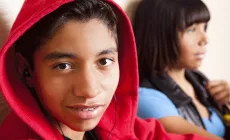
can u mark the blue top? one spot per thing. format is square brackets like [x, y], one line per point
[155, 104]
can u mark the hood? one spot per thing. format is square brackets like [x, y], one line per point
[24, 106]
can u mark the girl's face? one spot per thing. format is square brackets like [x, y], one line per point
[76, 73]
[193, 41]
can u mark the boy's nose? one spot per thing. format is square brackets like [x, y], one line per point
[88, 84]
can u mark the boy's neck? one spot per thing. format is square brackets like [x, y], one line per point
[65, 130]
[71, 134]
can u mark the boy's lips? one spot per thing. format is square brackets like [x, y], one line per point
[86, 112]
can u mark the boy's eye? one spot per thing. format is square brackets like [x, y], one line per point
[105, 62]
[62, 66]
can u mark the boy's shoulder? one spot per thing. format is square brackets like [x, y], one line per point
[151, 129]
[14, 128]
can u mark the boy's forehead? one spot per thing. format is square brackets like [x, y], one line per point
[77, 38]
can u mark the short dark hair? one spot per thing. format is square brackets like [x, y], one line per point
[80, 10]
[156, 27]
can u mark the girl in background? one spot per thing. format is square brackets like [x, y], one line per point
[171, 38]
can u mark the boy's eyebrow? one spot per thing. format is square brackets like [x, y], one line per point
[59, 55]
[108, 51]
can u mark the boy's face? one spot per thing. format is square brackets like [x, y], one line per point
[76, 73]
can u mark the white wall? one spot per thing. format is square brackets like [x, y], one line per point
[217, 62]
[8, 12]
[10, 9]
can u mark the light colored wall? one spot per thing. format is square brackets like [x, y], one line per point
[10, 8]
[8, 12]
[217, 62]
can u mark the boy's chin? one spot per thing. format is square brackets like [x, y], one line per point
[85, 125]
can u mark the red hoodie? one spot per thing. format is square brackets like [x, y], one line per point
[27, 121]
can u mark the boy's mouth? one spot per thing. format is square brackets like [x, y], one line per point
[86, 112]
[84, 108]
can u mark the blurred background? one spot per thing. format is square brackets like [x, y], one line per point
[216, 64]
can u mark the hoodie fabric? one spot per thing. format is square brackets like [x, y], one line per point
[27, 122]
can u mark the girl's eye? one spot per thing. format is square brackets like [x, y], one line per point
[205, 27]
[62, 66]
[191, 30]
[105, 62]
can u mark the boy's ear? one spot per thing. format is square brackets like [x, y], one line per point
[24, 70]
